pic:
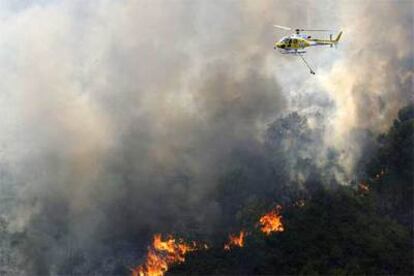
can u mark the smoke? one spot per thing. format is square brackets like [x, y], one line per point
[120, 117]
[374, 78]
[361, 86]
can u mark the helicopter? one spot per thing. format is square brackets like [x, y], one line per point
[296, 43]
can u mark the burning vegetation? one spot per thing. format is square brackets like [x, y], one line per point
[272, 221]
[162, 254]
[331, 209]
[235, 240]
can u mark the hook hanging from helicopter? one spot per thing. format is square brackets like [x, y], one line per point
[296, 43]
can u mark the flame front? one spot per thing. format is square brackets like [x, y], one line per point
[162, 254]
[272, 221]
[235, 240]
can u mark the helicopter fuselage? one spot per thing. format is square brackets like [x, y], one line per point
[297, 42]
[293, 42]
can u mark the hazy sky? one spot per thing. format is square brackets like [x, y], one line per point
[111, 103]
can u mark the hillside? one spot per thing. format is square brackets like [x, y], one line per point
[365, 228]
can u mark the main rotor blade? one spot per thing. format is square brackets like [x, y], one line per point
[282, 27]
[306, 30]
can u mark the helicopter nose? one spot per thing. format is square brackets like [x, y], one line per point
[279, 45]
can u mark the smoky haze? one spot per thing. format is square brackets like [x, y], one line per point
[121, 117]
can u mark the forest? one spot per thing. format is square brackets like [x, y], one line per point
[362, 229]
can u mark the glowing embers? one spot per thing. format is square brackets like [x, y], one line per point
[162, 254]
[363, 187]
[235, 240]
[272, 221]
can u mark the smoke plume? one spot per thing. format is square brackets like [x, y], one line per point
[121, 117]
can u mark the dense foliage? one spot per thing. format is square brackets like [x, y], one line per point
[350, 230]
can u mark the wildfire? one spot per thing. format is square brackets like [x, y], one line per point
[272, 221]
[235, 240]
[163, 254]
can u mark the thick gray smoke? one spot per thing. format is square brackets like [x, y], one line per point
[120, 117]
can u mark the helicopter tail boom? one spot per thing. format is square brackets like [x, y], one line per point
[329, 41]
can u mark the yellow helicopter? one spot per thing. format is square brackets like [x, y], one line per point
[296, 43]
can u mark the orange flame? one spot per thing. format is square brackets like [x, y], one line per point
[235, 240]
[272, 221]
[163, 254]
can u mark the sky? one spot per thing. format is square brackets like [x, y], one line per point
[119, 116]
